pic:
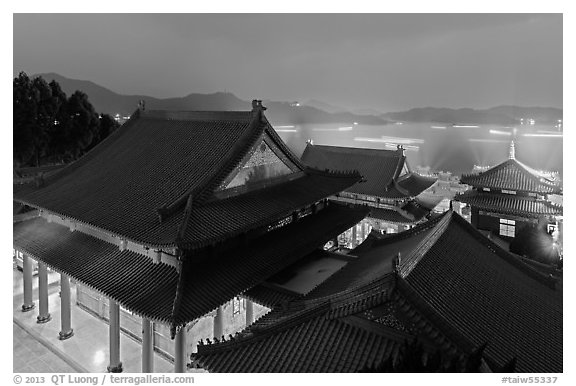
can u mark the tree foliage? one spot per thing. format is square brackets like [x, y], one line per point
[50, 127]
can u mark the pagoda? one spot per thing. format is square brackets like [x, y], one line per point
[441, 283]
[389, 187]
[172, 217]
[510, 195]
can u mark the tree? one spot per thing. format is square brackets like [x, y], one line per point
[50, 127]
[24, 127]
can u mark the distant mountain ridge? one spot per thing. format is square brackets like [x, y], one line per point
[503, 115]
[309, 112]
[110, 102]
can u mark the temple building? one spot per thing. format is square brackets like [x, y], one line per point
[509, 195]
[389, 187]
[441, 283]
[166, 224]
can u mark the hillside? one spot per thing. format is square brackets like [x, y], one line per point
[502, 115]
[107, 101]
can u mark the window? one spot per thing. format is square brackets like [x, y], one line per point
[236, 306]
[507, 227]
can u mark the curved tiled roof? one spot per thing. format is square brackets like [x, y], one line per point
[469, 286]
[510, 204]
[389, 215]
[150, 289]
[129, 278]
[220, 219]
[136, 183]
[379, 167]
[409, 185]
[513, 175]
[317, 335]
[455, 288]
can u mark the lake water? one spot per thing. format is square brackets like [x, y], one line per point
[439, 146]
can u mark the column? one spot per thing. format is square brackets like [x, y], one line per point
[218, 323]
[354, 236]
[43, 314]
[147, 346]
[180, 351]
[27, 268]
[249, 312]
[115, 364]
[65, 308]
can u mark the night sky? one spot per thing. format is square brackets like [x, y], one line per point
[388, 62]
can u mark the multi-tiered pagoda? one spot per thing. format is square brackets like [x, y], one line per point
[510, 195]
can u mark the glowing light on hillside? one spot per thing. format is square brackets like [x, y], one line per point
[285, 127]
[286, 130]
[466, 126]
[347, 128]
[438, 127]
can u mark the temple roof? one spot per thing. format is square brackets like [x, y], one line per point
[381, 169]
[318, 335]
[451, 286]
[159, 291]
[137, 183]
[510, 204]
[513, 175]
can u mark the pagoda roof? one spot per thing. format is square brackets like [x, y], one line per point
[161, 292]
[310, 335]
[473, 291]
[410, 213]
[454, 288]
[138, 182]
[522, 206]
[381, 169]
[513, 175]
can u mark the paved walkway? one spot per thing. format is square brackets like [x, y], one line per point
[38, 349]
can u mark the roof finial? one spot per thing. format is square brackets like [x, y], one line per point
[512, 154]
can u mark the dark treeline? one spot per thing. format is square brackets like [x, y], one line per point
[51, 128]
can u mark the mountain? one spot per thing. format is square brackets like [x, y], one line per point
[325, 106]
[501, 115]
[110, 102]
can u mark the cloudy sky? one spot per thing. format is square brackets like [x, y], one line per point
[384, 61]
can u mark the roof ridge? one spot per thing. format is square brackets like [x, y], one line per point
[350, 149]
[543, 184]
[196, 115]
[406, 295]
[406, 265]
[280, 143]
[250, 336]
[505, 255]
[234, 155]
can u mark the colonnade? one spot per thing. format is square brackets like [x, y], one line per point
[66, 331]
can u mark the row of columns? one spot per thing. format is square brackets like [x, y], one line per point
[115, 365]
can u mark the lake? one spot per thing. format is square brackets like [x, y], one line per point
[439, 146]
